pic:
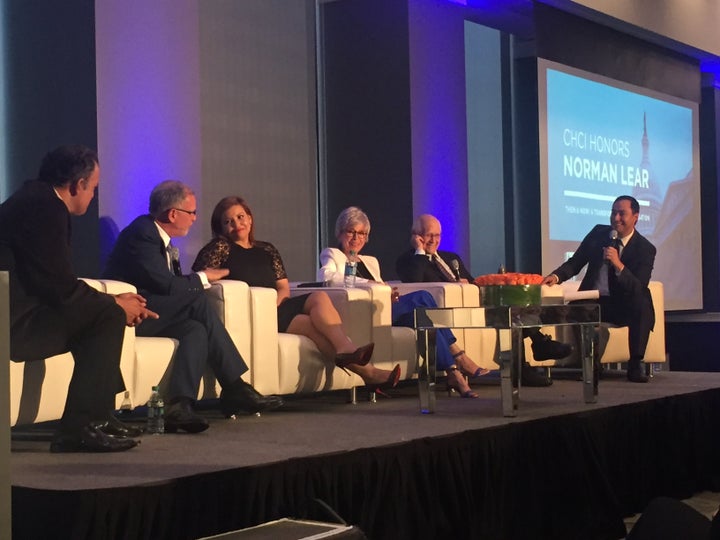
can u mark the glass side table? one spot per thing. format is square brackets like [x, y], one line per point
[508, 323]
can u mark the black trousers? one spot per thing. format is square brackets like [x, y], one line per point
[190, 319]
[637, 315]
[93, 332]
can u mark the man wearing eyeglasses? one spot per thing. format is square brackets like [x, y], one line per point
[144, 256]
[426, 263]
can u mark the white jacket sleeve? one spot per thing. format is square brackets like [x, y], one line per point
[332, 267]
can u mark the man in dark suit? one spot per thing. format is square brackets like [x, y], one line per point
[424, 262]
[620, 269]
[144, 256]
[52, 312]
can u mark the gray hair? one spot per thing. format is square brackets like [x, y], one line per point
[419, 225]
[349, 217]
[166, 195]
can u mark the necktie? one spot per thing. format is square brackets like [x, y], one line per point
[444, 270]
[174, 258]
[604, 277]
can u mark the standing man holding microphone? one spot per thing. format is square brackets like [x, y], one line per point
[619, 264]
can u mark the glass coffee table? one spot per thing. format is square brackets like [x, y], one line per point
[508, 323]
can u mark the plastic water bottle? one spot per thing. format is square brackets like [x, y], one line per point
[155, 413]
[350, 270]
[126, 405]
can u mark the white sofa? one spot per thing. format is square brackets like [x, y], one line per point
[282, 363]
[393, 344]
[38, 389]
[279, 363]
[480, 344]
[617, 351]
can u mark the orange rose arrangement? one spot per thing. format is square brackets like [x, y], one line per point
[508, 278]
[509, 289]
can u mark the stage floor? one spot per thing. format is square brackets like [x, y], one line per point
[324, 425]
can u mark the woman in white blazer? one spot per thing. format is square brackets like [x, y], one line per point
[352, 230]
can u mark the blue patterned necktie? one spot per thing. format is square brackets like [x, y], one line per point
[174, 256]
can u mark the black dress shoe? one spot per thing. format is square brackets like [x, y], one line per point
[546, 348]
[116, 428]
[240, 396]
[637, 374]
[90, 439]
[181, 417]
[530, 377]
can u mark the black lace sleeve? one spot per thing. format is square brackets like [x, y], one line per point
[278, 266]
[213, 255]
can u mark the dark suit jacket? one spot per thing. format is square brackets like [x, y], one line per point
[139, 257]
[35, 248]
[632, 283]
[419, 269]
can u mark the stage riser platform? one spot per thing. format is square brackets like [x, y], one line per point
[563, 476]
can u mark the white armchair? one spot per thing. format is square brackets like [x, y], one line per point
[38, 389]
[479, 343]
[617, 350]
[282, 363]
[393, 345]
[302, 368]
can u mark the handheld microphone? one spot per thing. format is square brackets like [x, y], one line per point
[613, 242]
[613, 238]
[455, 268]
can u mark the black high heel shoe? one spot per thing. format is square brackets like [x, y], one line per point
[456, 387]
[390, 382]
[361, 356]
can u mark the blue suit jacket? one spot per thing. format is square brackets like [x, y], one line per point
[139, 257]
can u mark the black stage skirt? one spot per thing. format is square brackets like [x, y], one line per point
[287, 311]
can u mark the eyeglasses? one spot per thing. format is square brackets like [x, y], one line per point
[360, 234]
[431, 236]
[191, 212]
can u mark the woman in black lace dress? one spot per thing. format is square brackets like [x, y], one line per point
[259, 265]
